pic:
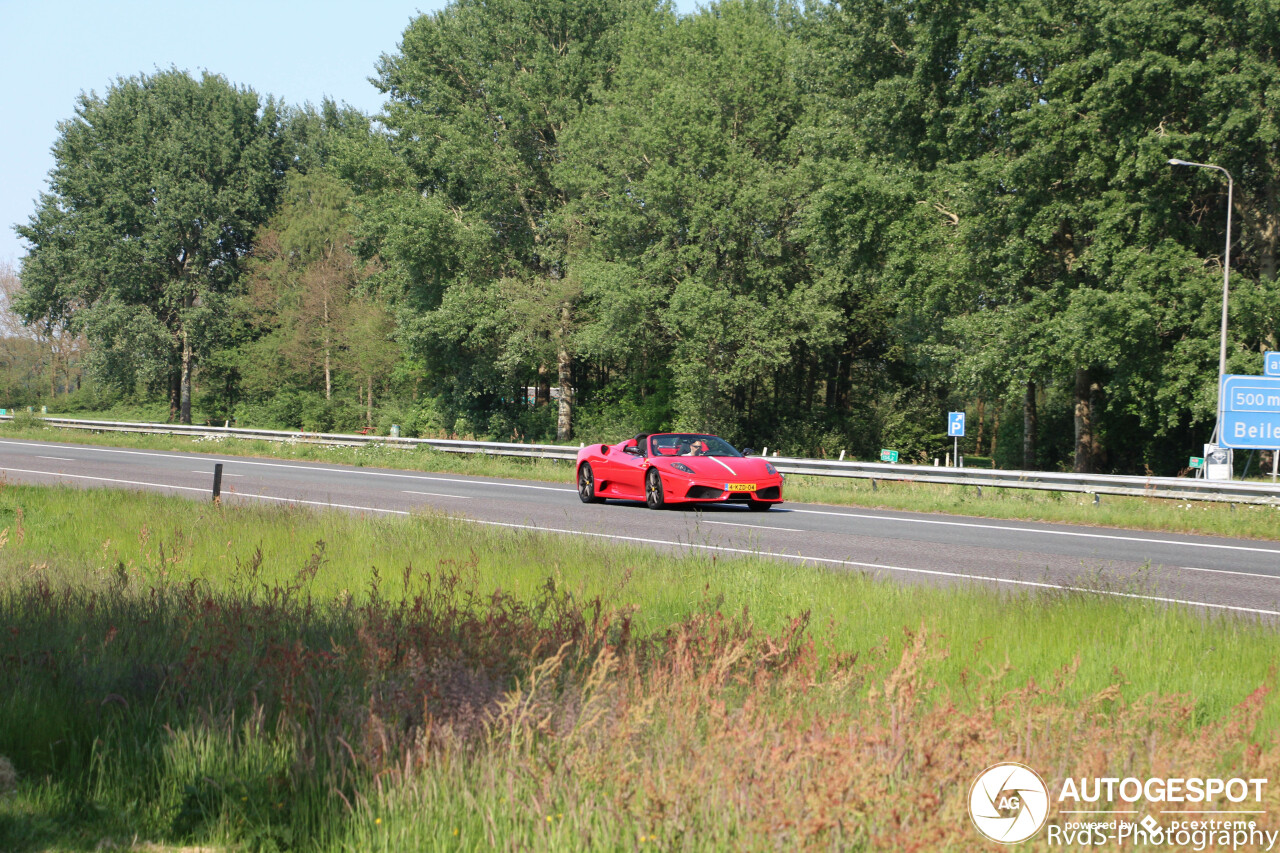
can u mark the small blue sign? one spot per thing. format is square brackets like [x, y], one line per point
[955, 424]
[1250, 412]
[1271, 363]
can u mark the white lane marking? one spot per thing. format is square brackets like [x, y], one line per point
[721, 548]
[56, 458]
[224, 473]
[322, 503]
[755, 526]
[437, 495]
[1230, 572]
[880, 567]
[470, 482]
[105, 479]
[881, 518]
[193, 489]
[1044, 530]
[307, 468]
[357, 471]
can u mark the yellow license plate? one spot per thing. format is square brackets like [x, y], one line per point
[739, 487]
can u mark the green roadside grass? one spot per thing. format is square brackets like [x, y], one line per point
[1134, 513]
[71, 535]
[269, 678]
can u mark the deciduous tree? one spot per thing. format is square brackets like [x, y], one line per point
[157, 188]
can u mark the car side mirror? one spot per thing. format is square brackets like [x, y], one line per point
[748, 451]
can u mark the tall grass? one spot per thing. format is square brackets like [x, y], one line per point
[273, 678]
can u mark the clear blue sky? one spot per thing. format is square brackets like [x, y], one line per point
[52, 50]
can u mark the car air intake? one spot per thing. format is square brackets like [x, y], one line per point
[703, 492]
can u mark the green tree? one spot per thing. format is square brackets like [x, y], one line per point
[1066, 254]
[478, 98]
[685, 175]
[1127, 310]
[301, 280]
[156, 192]
[312, 327]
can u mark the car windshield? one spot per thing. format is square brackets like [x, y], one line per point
[690, 444]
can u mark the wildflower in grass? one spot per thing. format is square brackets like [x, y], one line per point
[378, 820]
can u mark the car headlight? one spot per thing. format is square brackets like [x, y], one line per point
[680, 466]
[768, 467]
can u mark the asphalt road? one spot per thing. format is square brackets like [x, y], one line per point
[1218, 574]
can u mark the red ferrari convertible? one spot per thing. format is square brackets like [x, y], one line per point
[676, 468]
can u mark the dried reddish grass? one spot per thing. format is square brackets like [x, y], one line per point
[714, 733]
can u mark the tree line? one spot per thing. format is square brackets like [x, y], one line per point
[816, 229]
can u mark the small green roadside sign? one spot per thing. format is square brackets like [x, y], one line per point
[888, 456]
[1196, 462]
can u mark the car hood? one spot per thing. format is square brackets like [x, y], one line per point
[722, 467]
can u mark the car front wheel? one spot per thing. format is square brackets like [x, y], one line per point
[587, 485]
[653, 496]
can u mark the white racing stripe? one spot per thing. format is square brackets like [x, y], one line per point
[693, 545]
[724, 466]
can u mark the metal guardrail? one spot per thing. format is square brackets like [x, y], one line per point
[1174, 488]
[493, 448]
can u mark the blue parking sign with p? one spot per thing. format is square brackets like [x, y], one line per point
[955, 424]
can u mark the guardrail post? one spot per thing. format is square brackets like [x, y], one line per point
[217, 481]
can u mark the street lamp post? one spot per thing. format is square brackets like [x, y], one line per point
[1226, 285]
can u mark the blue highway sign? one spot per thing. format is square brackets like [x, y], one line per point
[955, 424]
[1250, 412]
[1271, 363]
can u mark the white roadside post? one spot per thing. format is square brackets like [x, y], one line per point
[1226, 287]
